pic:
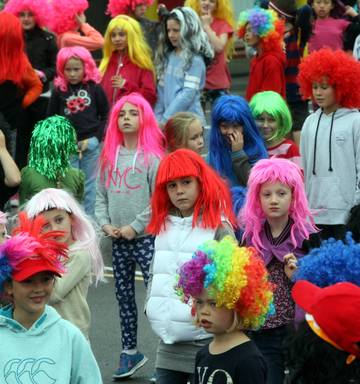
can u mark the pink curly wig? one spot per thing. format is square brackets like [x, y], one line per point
[39, 8]
[91, 73]
[338, 69]
[252, 217]
[82, 229]
[214, 200]
[266, 24]
[64, 11]
[151, 139]
[235, 277]
[127, 7]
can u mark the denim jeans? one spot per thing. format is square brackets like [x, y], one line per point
[88, 164]
[167, 376]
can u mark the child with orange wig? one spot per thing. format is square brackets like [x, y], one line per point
[263, 31]
[191, 204]
[229, 289]
[330, 138]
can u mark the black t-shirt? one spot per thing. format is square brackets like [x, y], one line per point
[243, 364]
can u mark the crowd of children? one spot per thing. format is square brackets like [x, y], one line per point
[236, 210]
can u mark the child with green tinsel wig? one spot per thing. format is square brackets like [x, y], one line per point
[52, 143]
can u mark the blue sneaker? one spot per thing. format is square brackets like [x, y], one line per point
[129, 364]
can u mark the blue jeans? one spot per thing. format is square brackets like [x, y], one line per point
[88, 164]
[167, 376]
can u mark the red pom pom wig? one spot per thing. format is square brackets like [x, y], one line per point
[39, 8]
[125, 7]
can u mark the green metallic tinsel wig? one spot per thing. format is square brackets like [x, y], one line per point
[52, 143]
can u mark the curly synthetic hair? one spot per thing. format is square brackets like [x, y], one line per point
[127, 7]
[193, 41]
[39, 8]
[235, 277]
[335, 261]
[336, 68]
[91, 73]
[213, 203]
[138, 50]
[52, 143]
[150, 137]
[274, 105]
[177, 129]
[233, 109]
[252, 216]
[265, 24]
[64, 12]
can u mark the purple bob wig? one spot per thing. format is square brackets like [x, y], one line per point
[252, 217]
[91, 73]
[151, 140]
[39, 8]
[64, 12]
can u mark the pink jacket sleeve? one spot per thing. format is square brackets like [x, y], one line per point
[92, 40]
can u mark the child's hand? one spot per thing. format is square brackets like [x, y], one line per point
[236, 139]
[111, 231]
[290, 265]
[127, 232]
[81, 18]
[83, 145]
[118, 81]
[206, 19]
[350, 11]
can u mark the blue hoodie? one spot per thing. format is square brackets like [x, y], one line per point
[51, 351]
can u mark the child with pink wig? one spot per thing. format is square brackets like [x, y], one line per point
[133, 147]
[63, 213]
[230, 293]
[276, 221]
[78, 97]
[191, 204]
[69, 24]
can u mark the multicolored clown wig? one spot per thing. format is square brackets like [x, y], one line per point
[39, 8]
[64, 14]
[52, 143]
[266, 25]
[193, 39]
[13, 60]
[138, 50]
[150, 137]
[91, 73]
[213, 203]
[233, 109]
[336, 68]
[274, 105]
[82, 230]
[127, 7]
[252, 216]
[30, 251]
[235, 277]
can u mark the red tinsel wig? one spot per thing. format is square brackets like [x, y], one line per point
[13, 61]
[338, 69]
[213, 203]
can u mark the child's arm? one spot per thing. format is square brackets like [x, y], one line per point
[32, 86]
[159, 106]
[357, 160]
[102, 109]
[51, 54]
[12, 176]
[241, 166]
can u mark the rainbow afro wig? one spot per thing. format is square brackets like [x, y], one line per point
[125, 7]
[338, 69]
[39, 8]
[235, 277]
[265, 24]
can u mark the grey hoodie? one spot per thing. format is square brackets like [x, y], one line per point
[126, 200]
[330, 153]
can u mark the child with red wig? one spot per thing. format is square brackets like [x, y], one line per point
[78, 96]
[191, 204]
[330, 138]
[263, 31]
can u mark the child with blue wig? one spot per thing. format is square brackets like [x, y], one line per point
[235, 141]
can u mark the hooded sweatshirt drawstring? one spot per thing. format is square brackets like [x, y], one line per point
[330, 138]
[315, 144]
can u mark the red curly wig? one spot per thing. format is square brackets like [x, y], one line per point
[213, 203]
[339, 69]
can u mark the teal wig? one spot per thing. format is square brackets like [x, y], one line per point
[274, 105]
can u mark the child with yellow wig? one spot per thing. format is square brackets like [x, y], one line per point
[229, 289]
[127, 66]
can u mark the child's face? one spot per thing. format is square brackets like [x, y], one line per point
[230, 130]
[119, 39]
[27, 20]
[322, 8]
[59, 220]
[324, 96]
[2, 233]
[74, 71]
[207, 6]
[195, 137]
[250, 38]
[128, 121]
[173, 32]
[183, 194]
[30, 295]
[267, 125]
[140, 10]
[213, 319]
[275, 199]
